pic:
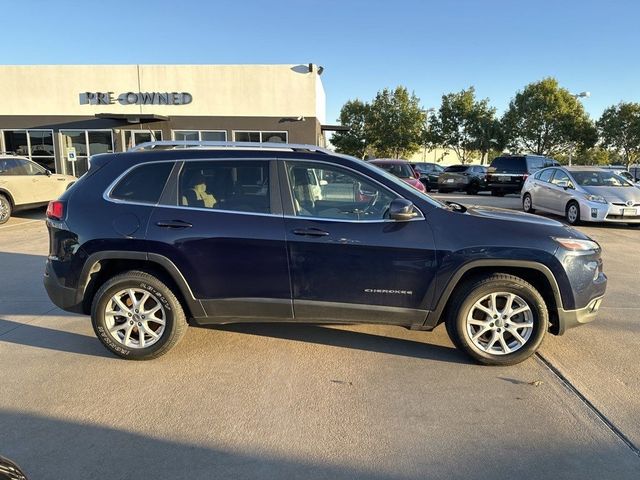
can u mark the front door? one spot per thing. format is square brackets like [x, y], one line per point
[223, 228]
[348, 262]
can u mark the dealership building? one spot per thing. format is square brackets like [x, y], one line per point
[59, 115]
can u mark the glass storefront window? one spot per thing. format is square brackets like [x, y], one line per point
[37, 145]
[86, 143]
[140, 136]
[200, 135]
[260, 136]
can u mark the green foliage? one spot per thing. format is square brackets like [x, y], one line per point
[395, 123]
[619, 128]
[464, 124]
[547, 120]
[592, 156]
[354, 114]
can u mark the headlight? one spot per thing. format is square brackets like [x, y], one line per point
[577, 245]
[595, 198]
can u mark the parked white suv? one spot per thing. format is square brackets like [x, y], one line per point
[25, 184]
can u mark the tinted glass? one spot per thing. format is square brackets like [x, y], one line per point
[457, 168]
[400, 170]
[11, 166]
[143, 184]
[535, 163]
[509, 165]
[545, 175]
[241, 186]
[597, 178]
[213, 136]
[247, 136]
[337, 193]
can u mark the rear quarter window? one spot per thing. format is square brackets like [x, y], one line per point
[509, 165]
[143, 184]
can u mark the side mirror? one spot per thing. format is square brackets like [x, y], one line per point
[48, 172]
[416, 174]
[563, 184]
[323, 183]
[402, 210]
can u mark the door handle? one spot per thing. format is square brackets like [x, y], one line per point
[174, 224]
[310, 232]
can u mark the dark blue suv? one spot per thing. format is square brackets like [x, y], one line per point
[148, 241]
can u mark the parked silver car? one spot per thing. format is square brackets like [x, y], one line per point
[586, 194]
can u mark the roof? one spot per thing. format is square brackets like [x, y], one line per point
[377, 161]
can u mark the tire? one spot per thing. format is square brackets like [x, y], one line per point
[444, 190]
[473, 189]
[497, 193]
[527, 204]
[126, 342]
[5, 209]
[465, 320]
[572, 213]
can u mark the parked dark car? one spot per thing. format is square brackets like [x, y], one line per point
[429, 173]
[153, 239]
[469, 178]
[507, 173]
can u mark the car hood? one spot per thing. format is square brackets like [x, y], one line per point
[615, 194]
[511, 215]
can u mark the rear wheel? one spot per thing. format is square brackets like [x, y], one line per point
[5, 209]
[572, 213]
[473, 189]
[497, 193]
[527, 203]
[137, 317]
[498, 319]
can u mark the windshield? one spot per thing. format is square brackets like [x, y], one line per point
[597, 178]
[509, 165]
[401, 170]
[456, 168]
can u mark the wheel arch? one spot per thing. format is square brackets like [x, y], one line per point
[101, 266]
[534, 273]
[7, 194]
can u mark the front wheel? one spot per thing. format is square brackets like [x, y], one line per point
[473, 189]
[572, 213]
[5, 209]
[137, 317]
[497, 193]
[498, 319]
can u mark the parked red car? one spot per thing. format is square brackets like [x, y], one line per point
[402, 170]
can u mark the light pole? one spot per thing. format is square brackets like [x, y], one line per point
[577, 96]
[426, 129]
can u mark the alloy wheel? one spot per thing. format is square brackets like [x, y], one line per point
[135, 318]
[527, 203]
[500, 323]
[572, 213]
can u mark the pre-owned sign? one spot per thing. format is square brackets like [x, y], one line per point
[135, 98]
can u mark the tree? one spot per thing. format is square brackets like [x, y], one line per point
[546, 119]
[619, 128]
[354, 114]
[463, 124]
[395, 123]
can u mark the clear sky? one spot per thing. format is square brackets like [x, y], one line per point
[431, 47]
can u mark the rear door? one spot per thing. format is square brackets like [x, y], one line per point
[222, 226]
[542, 194]
[348, 262]
[559, 196]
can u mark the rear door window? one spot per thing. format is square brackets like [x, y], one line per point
[240, 186]
[143, 184]
[545, 175]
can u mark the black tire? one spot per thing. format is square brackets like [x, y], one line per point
[444, 190]
[497, 193]
[473, 189]
[175, 321]
[5, 209]
[568, 213]
[527, 205]
[465, 297]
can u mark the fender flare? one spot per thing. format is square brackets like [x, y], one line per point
[434, 316]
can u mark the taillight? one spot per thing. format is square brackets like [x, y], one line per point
[524, 177]
[55, 210]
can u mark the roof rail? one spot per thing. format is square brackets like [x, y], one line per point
[173, 144]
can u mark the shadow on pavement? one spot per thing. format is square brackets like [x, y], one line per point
[51, 339]
[349, 339]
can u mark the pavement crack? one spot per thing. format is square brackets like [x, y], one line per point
[587, 403]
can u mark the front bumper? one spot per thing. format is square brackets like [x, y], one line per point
[610, 213]
[572, 318]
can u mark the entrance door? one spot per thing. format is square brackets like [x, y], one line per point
[348, 262]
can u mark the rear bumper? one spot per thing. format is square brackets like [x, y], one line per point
[62, 297]
[573, 318]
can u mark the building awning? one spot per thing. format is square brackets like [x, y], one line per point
[133, 117]
[334, 128]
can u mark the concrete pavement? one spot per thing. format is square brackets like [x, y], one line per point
[274, 401]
